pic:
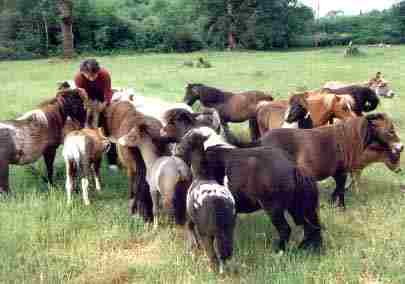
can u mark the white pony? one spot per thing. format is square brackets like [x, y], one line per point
[149, 106]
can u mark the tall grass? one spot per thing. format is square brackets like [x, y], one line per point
[43, 240]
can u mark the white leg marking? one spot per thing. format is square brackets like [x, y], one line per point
[69, 182]
[85, 187]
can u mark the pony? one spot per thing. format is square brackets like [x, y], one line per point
[168, 176]
[82, 152]
[210, 206]
[378, 84]
[149, 106]
[120, 118]
[38, 133]
[93, 107]
[258, 178]
[332, 151]
[231, 107]
[303, 110]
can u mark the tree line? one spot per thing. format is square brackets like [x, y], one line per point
[37, 28]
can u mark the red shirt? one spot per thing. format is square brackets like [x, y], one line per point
[99, 89]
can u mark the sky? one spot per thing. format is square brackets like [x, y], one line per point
[349, 7]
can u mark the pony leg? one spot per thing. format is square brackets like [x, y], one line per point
[208, 243]
[281, 224]
[356, 181]
[96, 168]
[85, 188]
[69, 181]
[49, 157]
[4, 172]
[312, 231]
[192, 237]
[155, 194]
[339, 193]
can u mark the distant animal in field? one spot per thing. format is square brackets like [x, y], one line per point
[258, 178]
[232, 107]
[210, 206]
[82, 152]
[168, 176]
[335, 150]
[38, 133]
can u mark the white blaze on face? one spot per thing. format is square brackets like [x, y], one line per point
[287, 124]
[213, 138]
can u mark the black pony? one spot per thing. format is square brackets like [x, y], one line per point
[210, 206]
[365, 99]
[259, 178]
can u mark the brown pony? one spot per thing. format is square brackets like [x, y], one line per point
[302, 108]
[38, 133]
[231, 107]
[121, 117]
[333, 151]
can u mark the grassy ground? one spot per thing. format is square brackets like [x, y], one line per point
[44, 241]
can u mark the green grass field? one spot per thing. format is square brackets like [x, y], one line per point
[42, 240]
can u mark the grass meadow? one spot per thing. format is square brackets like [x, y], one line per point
[42, 240]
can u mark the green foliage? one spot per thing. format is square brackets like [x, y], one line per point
[31, 28]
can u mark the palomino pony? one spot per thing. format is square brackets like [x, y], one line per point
[259, 178]
[121, 117]
[307, 109]
[168, 176]
[38, 133]
[231, 107]
[210, 206]
[332, 151]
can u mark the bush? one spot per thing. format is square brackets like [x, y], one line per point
[7, 53]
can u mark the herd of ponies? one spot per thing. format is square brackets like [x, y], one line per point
[190, 167]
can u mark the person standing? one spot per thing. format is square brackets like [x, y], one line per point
[96, 80]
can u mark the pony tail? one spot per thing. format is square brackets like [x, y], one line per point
[225, 223]
[179, 201]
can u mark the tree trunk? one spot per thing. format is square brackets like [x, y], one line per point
[231, 28]
[66, 11]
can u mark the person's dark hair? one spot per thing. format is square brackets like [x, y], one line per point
[90, 66]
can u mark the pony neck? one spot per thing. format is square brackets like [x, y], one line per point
[320, 113]
[199, 165]
[55, 116]
[149, 151]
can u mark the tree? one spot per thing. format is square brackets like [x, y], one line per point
[66, 11]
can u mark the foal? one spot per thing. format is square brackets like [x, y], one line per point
[210, 206]
[82, 152]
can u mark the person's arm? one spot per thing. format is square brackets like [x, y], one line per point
[107, 89]
[79, 81]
